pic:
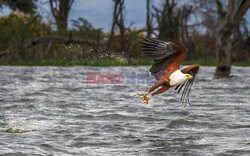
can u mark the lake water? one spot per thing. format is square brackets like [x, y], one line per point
[69, 116]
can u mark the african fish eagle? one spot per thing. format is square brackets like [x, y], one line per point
[167, 58]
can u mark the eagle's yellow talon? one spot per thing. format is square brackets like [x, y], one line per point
[141, 95]
[144, 97]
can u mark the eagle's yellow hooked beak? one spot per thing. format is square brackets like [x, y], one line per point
[189, 76]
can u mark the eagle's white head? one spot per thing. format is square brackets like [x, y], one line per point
[178, 78]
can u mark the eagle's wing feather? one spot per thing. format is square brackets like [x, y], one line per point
[192, 70]
[167, 56]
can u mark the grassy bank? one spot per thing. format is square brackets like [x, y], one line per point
[118, 62]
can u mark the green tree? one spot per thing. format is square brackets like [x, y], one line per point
[26, 6]
[60, 10]
[236, 11]
[168, 21]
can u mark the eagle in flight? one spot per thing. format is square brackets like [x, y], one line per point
[167, 58]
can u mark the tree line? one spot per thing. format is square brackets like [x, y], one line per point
[208, 28]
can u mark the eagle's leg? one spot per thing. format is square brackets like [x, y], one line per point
[154, 87]
[144, 96]
[161, 90]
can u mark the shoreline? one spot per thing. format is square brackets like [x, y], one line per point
[104, 63]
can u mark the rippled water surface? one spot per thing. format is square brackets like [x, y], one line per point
[70, 117]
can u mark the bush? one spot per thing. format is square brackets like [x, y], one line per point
[17, 28]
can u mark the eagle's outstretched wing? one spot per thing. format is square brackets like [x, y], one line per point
[167, 56]
[192, 70]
